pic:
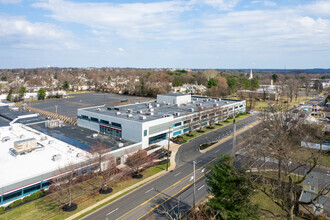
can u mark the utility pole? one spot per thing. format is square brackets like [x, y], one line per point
[194, 199]
[233, 151]
[168, 147]
[56, 109]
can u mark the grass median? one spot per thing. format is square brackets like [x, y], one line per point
[84, 195]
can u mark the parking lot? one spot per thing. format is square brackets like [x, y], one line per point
[68, 106]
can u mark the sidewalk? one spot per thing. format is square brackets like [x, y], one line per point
[173, 147]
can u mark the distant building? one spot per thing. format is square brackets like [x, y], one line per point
[190, 89]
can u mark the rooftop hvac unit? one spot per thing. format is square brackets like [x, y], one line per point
[117, 113]
[129, 111]
[81, 154]
[140, 111]
[21, 136]
[227, 102]
[214, 100]
[57, 157]
[177, 105]
[193, 102]
[43, 138]
[94, 135]
[168, 103]
[157, 105]
[205, 100]
[142, 117]
[198, 104]
[149, 113]
[165, 115]
[151, 110]
[215, 105]
[219, 100]
[176, 114]
[120, 145]
[195, 99]
[98, 109]
[149, 106]
[191, 110]
[51, 142]
[129, 116]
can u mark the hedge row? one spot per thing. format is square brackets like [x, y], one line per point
[26, 199]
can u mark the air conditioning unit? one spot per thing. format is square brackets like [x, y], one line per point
[157, 105]
[191, 110]
[215, 105]
[140, 112]
[129, 111]
[117, 113]
[151, 110]
[150, 106]
[120, 145]
[149, 113]
[142, 117]
[176, 114]
[129, 116]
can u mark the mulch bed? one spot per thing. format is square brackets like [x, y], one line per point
[108, 190]
[69, 208]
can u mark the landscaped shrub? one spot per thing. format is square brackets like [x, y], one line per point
[2, 209]
[34, 195]
[16, 203]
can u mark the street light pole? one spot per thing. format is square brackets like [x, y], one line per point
[56, 109]
[194, 199]
[234, 137]
[168, 147]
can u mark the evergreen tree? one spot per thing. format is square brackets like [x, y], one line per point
[42, 93]
[9, 96]
[66, 85]
[232, 191]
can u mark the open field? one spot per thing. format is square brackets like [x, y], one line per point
[84, 195]
[68, 106]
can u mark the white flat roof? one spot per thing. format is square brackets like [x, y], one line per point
[38, 162]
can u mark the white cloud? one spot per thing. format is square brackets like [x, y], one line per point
[10, 1]
[270, 3]
[18, 32]
[121, 49]
[222, 4]
[279, 29]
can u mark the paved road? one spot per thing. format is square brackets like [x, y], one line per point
[172, 191]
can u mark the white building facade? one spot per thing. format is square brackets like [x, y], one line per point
[151, 122]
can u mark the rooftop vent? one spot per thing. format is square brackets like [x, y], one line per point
[149, 106]
[149, 113]
[176, 114]
[215, 105]
[198, 104]
[117, 113]
[165, 115]
[142, 117]
[120, 145]
[157, 105]
[57, 157]
[129, 116]
[177, 105]
[94, 135]
[191, 110]
[151, 110]
[168, 103]
[205, 100]
[214, 100]
[81, 154]
[98, 109]
[219, 100]
[227, 102]
[129, 111]
[140, 111]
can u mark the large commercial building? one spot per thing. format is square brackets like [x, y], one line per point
[31, 160]
[151, 122]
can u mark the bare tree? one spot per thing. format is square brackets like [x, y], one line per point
[275, 158]
[136, 160]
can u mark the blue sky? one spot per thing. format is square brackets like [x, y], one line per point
[174, 34]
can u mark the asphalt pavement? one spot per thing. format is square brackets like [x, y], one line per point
[172, 193]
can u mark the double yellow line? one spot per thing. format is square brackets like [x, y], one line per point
[167, 189]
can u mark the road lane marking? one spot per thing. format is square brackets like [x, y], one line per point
[177, 174]
[191, 178]
[200, 187]
[112, 211]
[166, 189]
[217, 151]
[155, 207]
[203, 170]
[149, 190]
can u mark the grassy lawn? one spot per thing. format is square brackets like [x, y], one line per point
[263, 105]
[324, 160]
[77, 92]
[205, 129]
[265, 203]
[85, 195]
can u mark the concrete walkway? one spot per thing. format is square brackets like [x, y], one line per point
[173, 147]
